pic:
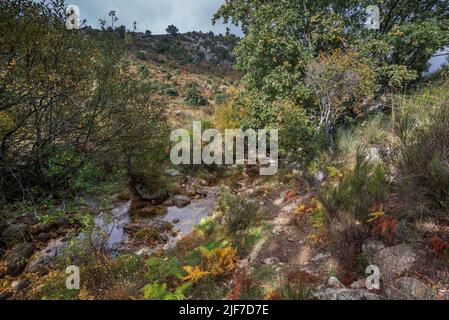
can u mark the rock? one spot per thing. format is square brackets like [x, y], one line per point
[40, 228]
[39, 269]
[181, 200]
[394, 261]
[30, 219]
[175, 221]
[151, 211]
[271, 261]
[14, 233]
[19, 285]
[202, 193]
[16, 259]
[204, 182]
[410, 288]
[132, 228]
[321, 256]
[359, 284]
[161, 225]
[168, 203]
[373, 154]
[345, 294]
[173, 173]
[62, 222]
[370, 248]
[44, 236]
[334, 282]
[5, 295]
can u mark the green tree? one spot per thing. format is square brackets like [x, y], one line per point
[172, 30]
[68, 101]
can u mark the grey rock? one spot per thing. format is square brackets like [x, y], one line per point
[370, 248]
[19, 285]
[321, 256]
[17, 258]
[346, 294]
[394, 261]
[334, 282]
[173, 173]
[410, 289]
[181, 200]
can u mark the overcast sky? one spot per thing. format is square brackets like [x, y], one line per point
[155, 15]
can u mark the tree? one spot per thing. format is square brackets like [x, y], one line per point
[69, 104]
[281, 37]
[343, 84]
[172, 30]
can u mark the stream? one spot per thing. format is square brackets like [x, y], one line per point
[110, 235]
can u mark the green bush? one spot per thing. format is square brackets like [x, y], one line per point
[141, 55]
[193, 96]
[365, 186]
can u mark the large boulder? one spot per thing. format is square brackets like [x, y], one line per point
[410, 289]
[17, 258]
[394, 261]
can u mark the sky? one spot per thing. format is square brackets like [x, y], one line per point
[155, 15]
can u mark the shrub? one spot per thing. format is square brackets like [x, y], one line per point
[141, 55]
[364, 187]
[193, 96]
[423, 158]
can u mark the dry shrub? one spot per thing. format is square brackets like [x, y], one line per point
[423, 160]
[347, 236]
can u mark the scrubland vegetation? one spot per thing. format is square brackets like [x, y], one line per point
[85, 120]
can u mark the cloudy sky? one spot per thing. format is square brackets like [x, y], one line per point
[155, 15]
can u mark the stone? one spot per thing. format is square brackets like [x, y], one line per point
[14, 233]
[17, 258]
[271, 261]
[5, 295]
[321, 256]
[334, 282]
[345, 294]
[19, 285]
[370, 248]
[40, 228]
[394, 261]
[175, 221]
[168, 203]
[150, 212]
[410, 288]
[62, 222]
[359, 284]
[44, 236]
[173, 173]
[181, 200]
[131, 228]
